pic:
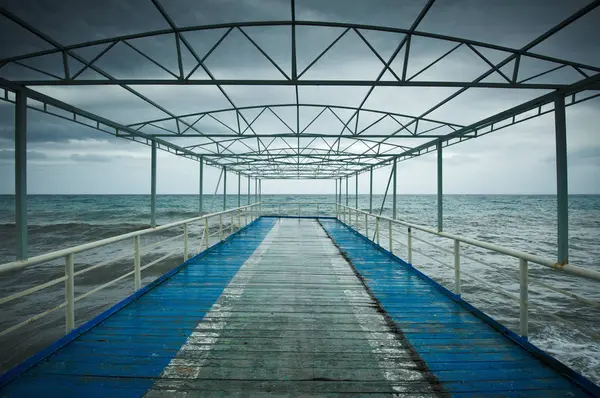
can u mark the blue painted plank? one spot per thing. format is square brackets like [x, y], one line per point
[200, 282]
[469, 355]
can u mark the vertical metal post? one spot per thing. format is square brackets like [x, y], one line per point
[231, 225]
[260, 197]
[70, 292]
[377, 229]
[336, 190]
[248, 190]
[366, 225]
[371, 190]
[347, 203]
[255, 190]
[562, 187]
[390, 246]
[239, 200]
[220, 226]
[21, 173]
[394, 189]
[153, 185]
[356, 200]
[137, 262]
[409, 245]
[206, 231]
[224, 188]
[185, 242]
[439, 187]
[524, 302]
[457, 288]
[201, 188]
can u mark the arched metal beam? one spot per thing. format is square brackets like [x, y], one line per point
[376, 28]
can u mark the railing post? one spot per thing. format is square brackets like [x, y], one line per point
[231, 226]
[390, 237]
[377, 229]
[137, 264]
[220, 226]
[70, 292]
[367, 225]
[457, 288]
[409, 245]
[246, 216]
[524, 296]
[185, 242]
[206, 231]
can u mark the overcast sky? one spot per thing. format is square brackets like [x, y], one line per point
[69, 158]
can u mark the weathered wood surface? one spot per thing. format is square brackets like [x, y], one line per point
[279, 310]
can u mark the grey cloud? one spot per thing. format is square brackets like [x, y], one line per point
[91, 158]
[8, 154]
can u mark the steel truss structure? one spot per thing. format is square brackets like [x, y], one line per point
[298, 150]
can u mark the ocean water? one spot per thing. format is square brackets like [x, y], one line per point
[563, 326]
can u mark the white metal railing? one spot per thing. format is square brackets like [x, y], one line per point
[351, 216]
[299, 209]
[244, 214]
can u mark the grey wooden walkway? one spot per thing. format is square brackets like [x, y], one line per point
[294, 320]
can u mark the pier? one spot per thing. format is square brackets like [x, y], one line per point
[293, 298]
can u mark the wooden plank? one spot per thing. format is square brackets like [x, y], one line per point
[464, 353]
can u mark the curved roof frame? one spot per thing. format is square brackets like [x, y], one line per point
[314, 154]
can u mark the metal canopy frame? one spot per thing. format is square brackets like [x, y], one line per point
[283, 154]
[298, 151]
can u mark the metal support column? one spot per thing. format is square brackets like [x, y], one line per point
[440, 209]
[356, 201]
[336, 195]
[394, 189]
[356, 198]
[224, 188]
[239, 191]
[248, 190]
[21, 173]
[562, 188]
[371, 190]
[346, 191]
[255, 190]
[153, 185]
[201, 189]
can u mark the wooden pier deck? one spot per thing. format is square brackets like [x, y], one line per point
[290, 307]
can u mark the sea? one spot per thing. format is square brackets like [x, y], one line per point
[565, 327]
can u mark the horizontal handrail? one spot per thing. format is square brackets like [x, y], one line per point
[567, 268]
[103, 242]
[296, 203]
[69, 253]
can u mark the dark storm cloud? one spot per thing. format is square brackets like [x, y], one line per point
[44, 128]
